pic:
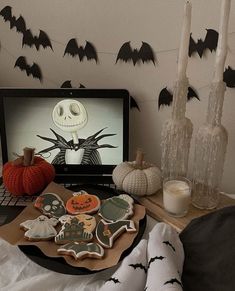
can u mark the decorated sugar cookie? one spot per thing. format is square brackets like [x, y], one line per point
[82, 250]
[117, 208]
[82, 202]
[73, 230]
[41, 228]
[50, 204]
[107, 233]
[88, 220]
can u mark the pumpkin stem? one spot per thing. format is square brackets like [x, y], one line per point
[139, 159]
[28, 158]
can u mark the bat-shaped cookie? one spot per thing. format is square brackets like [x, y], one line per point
[41, 40]
[199, 46]
[144, 54]
[166, 97]
[172, 281]
[87, 51]
[18, 23]
[113, 280]
[139, 266]
[33, 70]
[229, 77]
[67, 84]
[166, 242]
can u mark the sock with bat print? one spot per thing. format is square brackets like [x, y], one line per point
[131, 275]
[165, 256]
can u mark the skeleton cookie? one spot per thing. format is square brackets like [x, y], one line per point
[70, 116]
[41, 228]
[50, 204]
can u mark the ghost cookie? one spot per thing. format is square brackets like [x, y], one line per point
[82, 202]
[107, 233]
[50, 204]
[73, 230]
[82, 250]
[117, 208]
[41, 228]
[88, 221]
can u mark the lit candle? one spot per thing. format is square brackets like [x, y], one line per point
[177, 196]
[184, 42]
[222, 48]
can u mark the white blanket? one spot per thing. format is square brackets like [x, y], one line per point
[155, 264]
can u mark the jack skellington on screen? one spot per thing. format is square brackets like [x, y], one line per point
[70, 116]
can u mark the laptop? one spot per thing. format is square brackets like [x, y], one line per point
[82, 132]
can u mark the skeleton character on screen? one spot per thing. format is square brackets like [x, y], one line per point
[70, 116]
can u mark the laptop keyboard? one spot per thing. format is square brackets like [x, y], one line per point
[6, 198]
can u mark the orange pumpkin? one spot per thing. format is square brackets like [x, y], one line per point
[83, 203]
[28, 174]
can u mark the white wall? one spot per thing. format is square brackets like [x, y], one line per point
[108, 24]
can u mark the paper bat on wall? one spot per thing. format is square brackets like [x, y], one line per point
[67, 84]
[33, 70]
[41, 40]
[229, 77]
[87, 51]
[18, 23]
[199, 46]
[166, 97]
[128, 54]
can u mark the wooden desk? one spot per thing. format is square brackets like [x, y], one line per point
[155, 209]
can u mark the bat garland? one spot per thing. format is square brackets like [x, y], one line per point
[200, 46]
[166, 97]
[31, 70]
[87, 51]
[229, 77]
[128, 54]
[19, 23]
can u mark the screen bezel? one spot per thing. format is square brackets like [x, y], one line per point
[69, 93]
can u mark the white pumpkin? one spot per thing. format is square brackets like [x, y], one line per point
[138, 177]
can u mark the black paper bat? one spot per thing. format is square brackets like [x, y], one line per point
[67, 84]
[166, 97]
[154, 259]
[133, 103]
[166, 242]
[139, 266]
[18, 23]
[113, 280]
[33, 70]
[144, 54]
[41, 40]
[229, 77]
[87, 51]
[210, 42]
[172, 281]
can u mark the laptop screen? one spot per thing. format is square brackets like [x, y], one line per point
[79, 131]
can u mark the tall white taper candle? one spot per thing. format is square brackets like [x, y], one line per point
[184, 42]
[222, 47]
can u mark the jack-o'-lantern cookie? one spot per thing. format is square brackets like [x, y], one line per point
[117, 208]
[50, 204]
[82, 202]
[108, 232]
[82, 250]
[88, 221]
[73, 230]
[41, 228]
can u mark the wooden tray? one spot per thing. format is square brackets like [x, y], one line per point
[154, 208]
